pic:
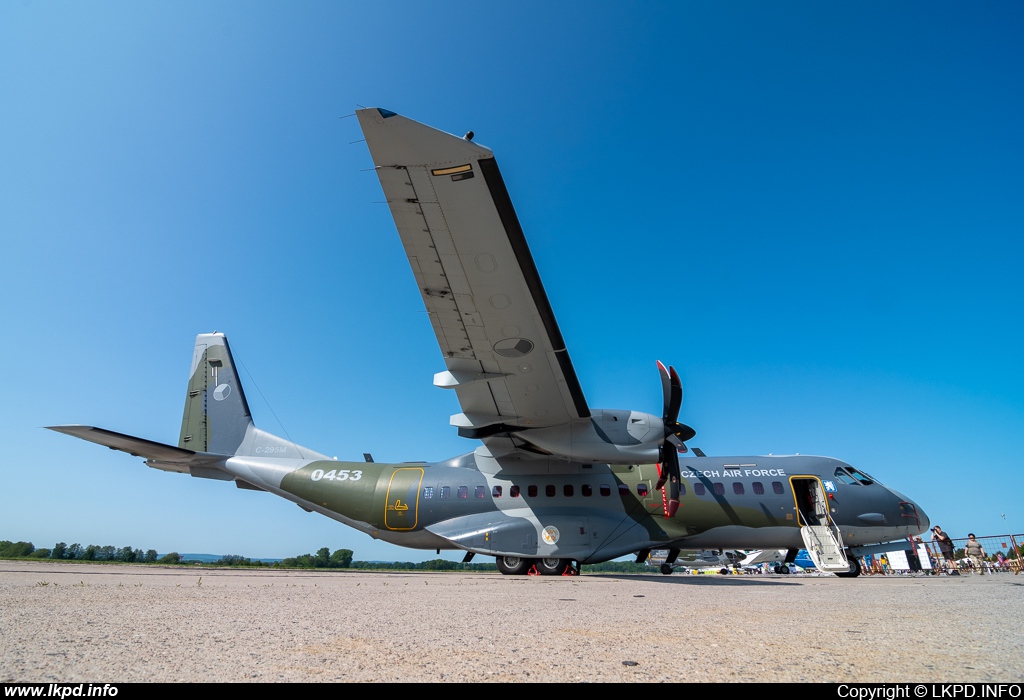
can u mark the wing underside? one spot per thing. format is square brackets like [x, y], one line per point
[504, 354]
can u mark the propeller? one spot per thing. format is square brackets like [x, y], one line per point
[676, 435]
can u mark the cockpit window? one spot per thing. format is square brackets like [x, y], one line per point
[844, 477]
[860, 476]
[869, 477]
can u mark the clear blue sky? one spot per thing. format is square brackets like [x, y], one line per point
[813, 211]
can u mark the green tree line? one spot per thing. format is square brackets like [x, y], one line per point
[61, 550]
[323, 559]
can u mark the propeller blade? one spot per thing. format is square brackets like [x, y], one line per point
[680, 447]
[677, 393]
[662, 477]
[670, 468]
[671, 393]
[666, 393]
[676, 434]
[669, 476]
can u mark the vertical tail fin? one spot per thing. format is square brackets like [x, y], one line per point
[216, 424]
[216, 415]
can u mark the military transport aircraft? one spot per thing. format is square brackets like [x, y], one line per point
[555, 482]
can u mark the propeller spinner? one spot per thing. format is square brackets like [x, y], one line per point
[676, 435]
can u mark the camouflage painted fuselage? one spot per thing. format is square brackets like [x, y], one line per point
[532, 507]
[590, 513]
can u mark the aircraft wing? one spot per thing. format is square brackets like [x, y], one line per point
[504, 354]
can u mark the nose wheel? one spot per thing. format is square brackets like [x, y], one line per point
[667, 566]
[854, 571]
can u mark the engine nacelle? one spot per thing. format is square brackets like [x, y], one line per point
[609, 436]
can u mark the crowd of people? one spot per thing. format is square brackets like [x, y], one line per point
[973, 557]
[942, 556]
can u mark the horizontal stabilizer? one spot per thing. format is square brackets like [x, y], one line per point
[134, 446]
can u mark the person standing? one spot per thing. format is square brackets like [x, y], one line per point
[945, 543]
[976, 552]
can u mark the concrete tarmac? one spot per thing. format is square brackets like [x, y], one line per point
[71, 622]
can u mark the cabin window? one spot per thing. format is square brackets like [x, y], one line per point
[567, 490]
[428, 492]
[550, 490]
[606, 490]
[531, 491]
[737, 488]
[641, 489]
[758, 488]
[481, 491]
[623, 490]
[719, 488]
[496, 492]
[587, 490]
[699, 490]
[446, 492]
[513, 491]
[777, 487]
[463, 492]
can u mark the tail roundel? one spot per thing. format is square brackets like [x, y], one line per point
[217, 416]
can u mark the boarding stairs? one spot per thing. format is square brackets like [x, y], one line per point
[824, 543]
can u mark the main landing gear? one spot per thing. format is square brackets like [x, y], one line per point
[521, 566]
[854, 571]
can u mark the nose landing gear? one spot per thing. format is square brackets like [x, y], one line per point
[854, 571]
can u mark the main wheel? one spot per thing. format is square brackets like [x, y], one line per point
[552, 567]
[513, 566]
[783, 569]
[667, 569]
[854, 571]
